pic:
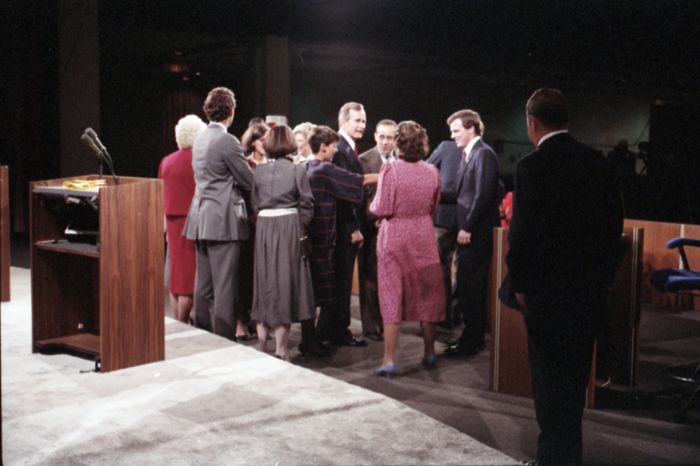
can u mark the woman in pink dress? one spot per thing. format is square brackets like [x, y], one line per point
[408, 265]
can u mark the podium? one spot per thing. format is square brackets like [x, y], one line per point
[4, 234]
[97, 271]
[616, 355]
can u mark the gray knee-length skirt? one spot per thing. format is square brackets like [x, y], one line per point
[282, 290]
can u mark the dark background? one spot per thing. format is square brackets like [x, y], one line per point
[629, 68]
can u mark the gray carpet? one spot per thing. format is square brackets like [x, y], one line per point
[210, 402]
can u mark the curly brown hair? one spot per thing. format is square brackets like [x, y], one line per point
[411, 141]
[280, 142]
[220, 104]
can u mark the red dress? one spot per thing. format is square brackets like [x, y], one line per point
[178, 188]
[408, 265]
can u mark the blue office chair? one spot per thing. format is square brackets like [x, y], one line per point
[682, 280]
[685, 281]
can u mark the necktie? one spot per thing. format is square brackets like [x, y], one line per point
[355, 148]
[463, 162]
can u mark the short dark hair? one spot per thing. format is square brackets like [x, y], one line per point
[321, 135]
[219, 104]
[280, 142]
[412, 141]
[550, 107]
[252, 134]
[469, 119]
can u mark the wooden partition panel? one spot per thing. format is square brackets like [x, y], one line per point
[510, 369]
[4, 234]
[656, 256]
[618, 347]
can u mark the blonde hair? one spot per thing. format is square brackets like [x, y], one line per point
[304, 128]
[187, 130]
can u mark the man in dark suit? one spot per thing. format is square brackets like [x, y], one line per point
[333, 322]
[564, 245]
[477, 195]
[217, 219]
[446, 158]
[372, 161]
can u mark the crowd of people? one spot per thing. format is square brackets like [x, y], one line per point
[265, 232]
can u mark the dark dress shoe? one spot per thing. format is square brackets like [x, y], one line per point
[246, 337]
[376, 336]
[452, 341]
[355, 342]
[313, 348]
[461, 349]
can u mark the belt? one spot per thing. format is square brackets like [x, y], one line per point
[277, 212]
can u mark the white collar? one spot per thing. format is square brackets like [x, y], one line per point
[347, 137]
[470, 146]
[390, 157]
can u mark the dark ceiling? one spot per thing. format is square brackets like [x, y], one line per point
[639, 43]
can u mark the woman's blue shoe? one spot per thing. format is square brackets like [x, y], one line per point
[387, 370]
[429, 361]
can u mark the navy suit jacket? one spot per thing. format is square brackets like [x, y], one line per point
[348, 216]
[567, 223]
[478, 195]
[446, 158]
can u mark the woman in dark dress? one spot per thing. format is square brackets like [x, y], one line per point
[283, 204]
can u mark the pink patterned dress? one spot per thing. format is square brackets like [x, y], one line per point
[408, 265]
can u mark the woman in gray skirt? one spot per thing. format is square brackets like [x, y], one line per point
[283, 203]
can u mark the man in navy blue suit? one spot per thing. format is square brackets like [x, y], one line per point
[446, 158]
[564, 247]
[334, 320]
[477, 194]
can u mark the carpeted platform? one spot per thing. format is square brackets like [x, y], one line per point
[210, 402]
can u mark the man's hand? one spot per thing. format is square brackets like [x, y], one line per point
[464, 237]
[356, 238]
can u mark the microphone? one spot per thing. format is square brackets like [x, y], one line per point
[90, 138]
[93, 135]
[91, 144]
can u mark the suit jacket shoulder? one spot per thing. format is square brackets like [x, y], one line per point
[370, 161]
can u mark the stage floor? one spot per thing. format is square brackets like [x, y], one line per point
[210, 402]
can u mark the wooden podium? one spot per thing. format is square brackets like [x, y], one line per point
[4, 234]
[97, 271]
[510, 372]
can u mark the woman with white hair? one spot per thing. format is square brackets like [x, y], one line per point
[178, 188]
[302, 131]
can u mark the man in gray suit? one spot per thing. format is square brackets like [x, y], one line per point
[372, 161]
[217, 219]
